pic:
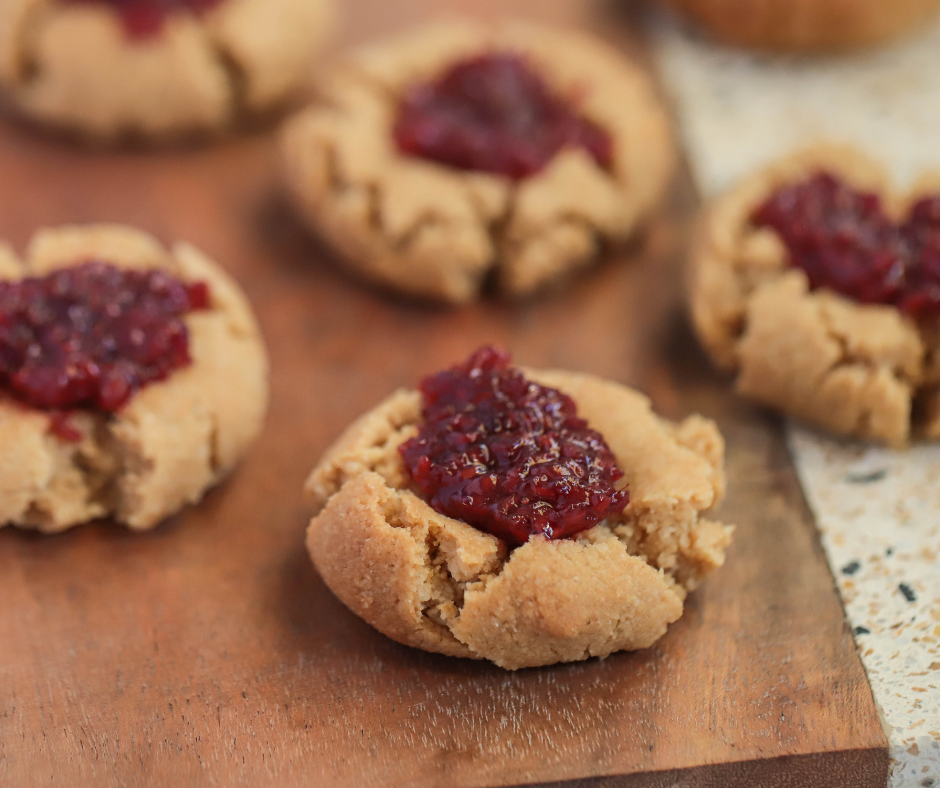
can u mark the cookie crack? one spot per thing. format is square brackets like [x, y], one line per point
[446, 594]
[863, 422]
[335, 181]
[369, 190]
[235, 72]
[215, 449]
[26, 45]
[81, 485]
[848, 359]
[443, 608]
[403, 243]
[659, 548]
[670, 549]
[100, 473]
[512, 249]
[599, 242]
[926, 395]
[373, 197]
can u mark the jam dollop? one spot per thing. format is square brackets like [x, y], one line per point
[508, 456]
[845, 241]
[90, 336]
[146, 18]
[494, 113]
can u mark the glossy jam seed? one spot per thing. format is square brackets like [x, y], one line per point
[844, 241]
[145, 18]
[493, 113]
[90, 336]
[509, 456]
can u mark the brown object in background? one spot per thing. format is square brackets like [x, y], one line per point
[807, 25]
[209, 651]
[76, 68]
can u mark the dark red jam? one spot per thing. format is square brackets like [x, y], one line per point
[509, 456]
[493, 113]
[844, 241]
[90, 336]
[145, 18]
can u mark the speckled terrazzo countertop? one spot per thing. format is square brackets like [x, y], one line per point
[878, 511]
[879, 515]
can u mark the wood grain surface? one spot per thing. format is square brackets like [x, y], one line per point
[209, 653]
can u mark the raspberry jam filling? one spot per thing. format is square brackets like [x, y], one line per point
[90, 336]
[509, 456]
[145, 18]
[843, 239]
[493, 113]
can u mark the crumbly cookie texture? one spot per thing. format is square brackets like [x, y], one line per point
[855, 369]
[807, 24]
[428, 230]
[438, 584]
[74, 67]
[173, 440]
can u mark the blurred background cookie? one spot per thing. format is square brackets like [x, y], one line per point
[819, 286]
[807, 24]
[462, 153]
[155, 68]
[132, 378]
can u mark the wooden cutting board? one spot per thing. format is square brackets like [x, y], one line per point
[208, 652]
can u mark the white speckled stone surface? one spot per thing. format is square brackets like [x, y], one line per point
[879, 515]
[878, 511]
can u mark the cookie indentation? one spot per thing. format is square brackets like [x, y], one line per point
[93, 334]
[845, 242]
[508, 456]
[493, 113]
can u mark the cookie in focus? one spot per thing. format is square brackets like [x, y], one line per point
[567, 522]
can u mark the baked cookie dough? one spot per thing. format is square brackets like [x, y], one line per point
[436, 583]
[441, 232]
[91, 67]
[173, 439]
[807, 25]
[863, 369]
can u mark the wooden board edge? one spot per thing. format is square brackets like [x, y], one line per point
[862, 768]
